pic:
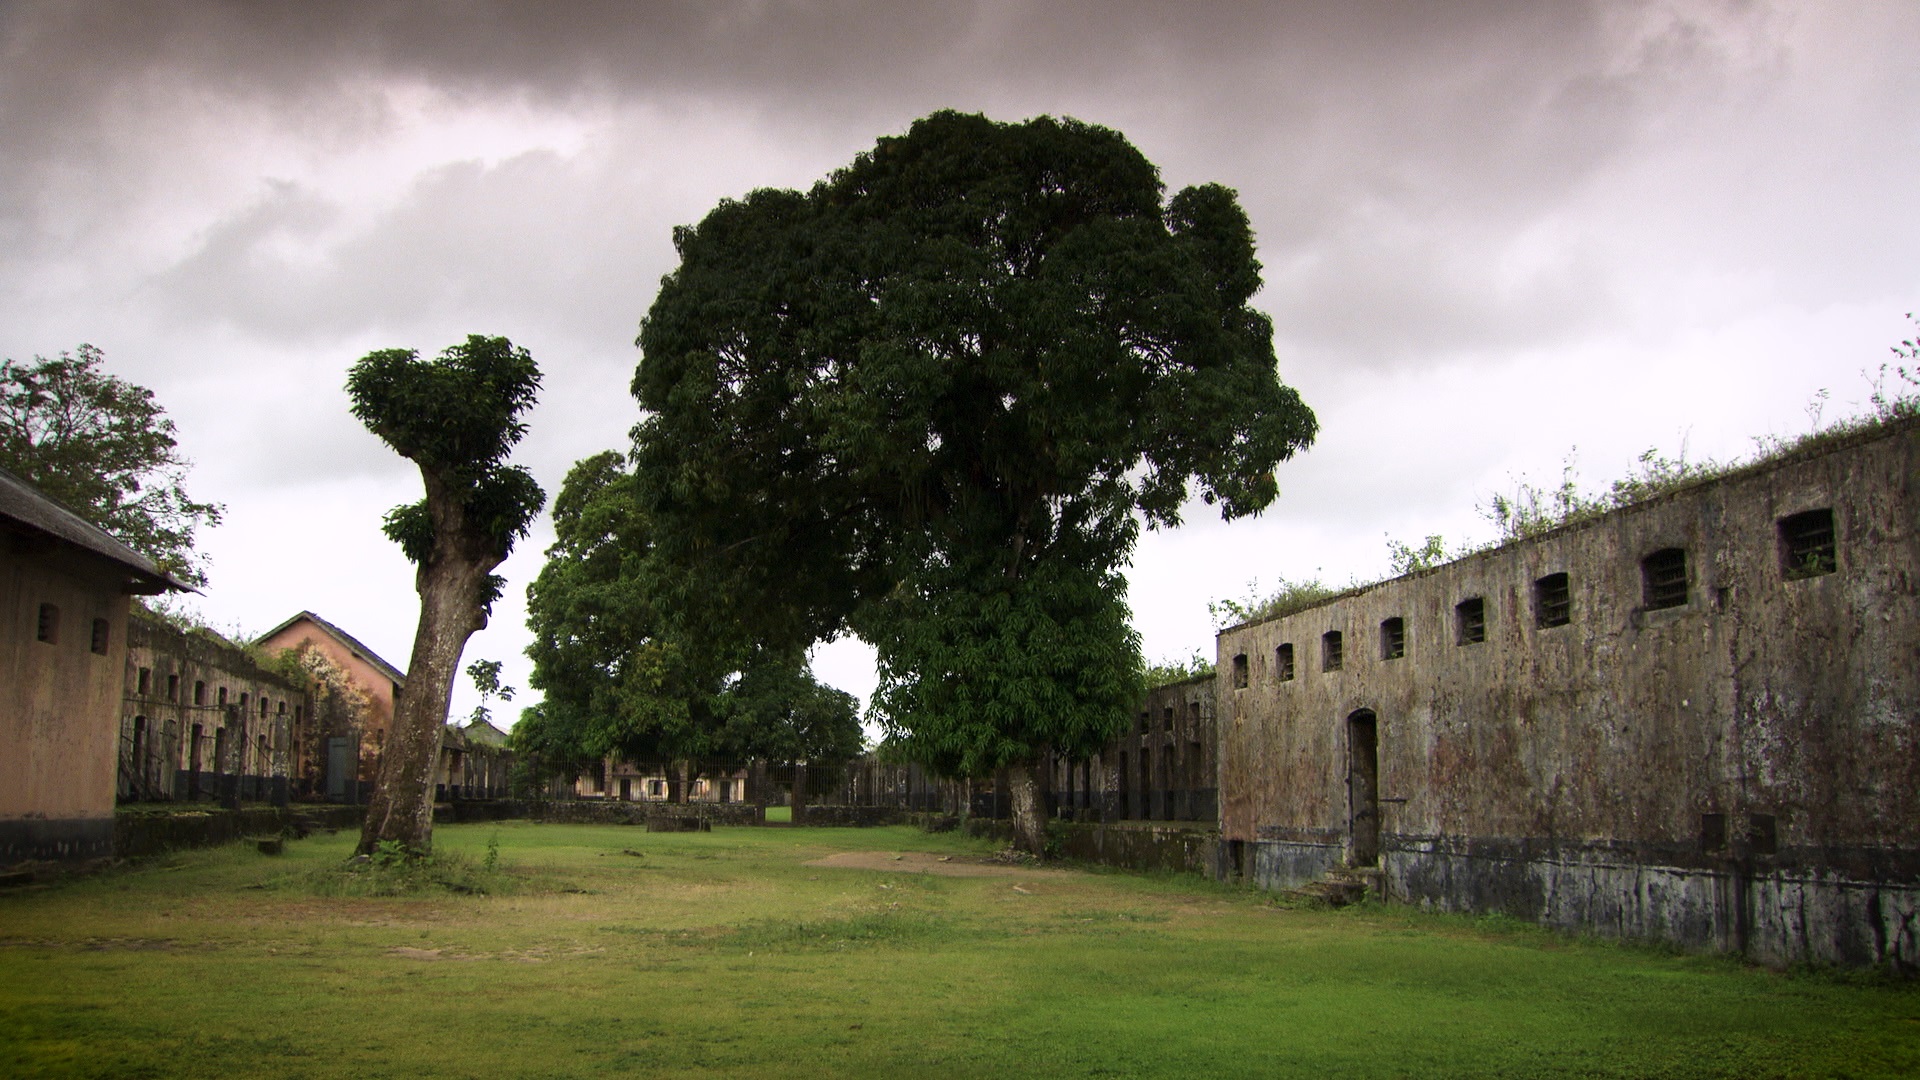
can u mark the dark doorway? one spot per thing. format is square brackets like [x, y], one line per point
[1363, 788]
[340, 768]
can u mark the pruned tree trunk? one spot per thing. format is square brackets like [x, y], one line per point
[799, 816]
[452, 609]
[676, 785]
[1029, 824]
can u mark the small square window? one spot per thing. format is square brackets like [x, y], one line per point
[1240, 672]
[1806, 545]
[1552, 601]
[48, 629]
[100, 636]
[1664, 577]
[1332, 651]
[1283, 662]
[1470, 621]
[1393, 638]
[1713, 832]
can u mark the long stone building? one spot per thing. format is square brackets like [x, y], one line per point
[1694, 719]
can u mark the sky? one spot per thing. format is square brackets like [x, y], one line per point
[1494, 234]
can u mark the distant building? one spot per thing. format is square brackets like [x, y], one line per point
[350, 728]
[65, 591]
[474, 762]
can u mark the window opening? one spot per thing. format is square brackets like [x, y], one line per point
[1240, 672]
[146, 682]
[199, 692]
[1552, 601]
[1470, 621]
[223, 697]
[173, 688]
[100, 635]
[1332, 652]
[49, 626]
[1806, 545]
[1664, 575]
[1393, 638]
[1283, 661]
[1167, 715]
[1713, 832]
[1763, 834]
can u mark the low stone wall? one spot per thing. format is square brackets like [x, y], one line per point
[1181, 847]
[1143, 845]
[861, 817]
[615, 812]
[137, 833]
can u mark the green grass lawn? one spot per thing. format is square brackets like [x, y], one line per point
[607, 951]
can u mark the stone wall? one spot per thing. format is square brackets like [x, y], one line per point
[1707, 731]
[199, 717]
[59, 688]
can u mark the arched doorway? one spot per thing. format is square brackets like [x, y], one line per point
[1363, 789]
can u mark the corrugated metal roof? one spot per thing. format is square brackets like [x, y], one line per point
[27, 508]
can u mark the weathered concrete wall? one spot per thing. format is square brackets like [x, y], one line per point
[58, 699]
[249, 721]
[1143, 845]
[1162, 768]
[1738, 771]
[137, 833]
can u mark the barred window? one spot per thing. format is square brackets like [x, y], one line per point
[1393, 638]
[1806, 545]
[1552, 601]
[1283, 662]
[1470, 621]
[1664, 577]
[1332, 651]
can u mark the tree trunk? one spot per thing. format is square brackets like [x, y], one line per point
[799, 793]
[401, 809]
[1029, 825]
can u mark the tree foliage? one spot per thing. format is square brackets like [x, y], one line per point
[106, 449]
[934, 399]
[633, 665]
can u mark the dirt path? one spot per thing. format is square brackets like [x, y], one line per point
[921, 862]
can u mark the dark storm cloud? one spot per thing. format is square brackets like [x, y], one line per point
[1373, 143]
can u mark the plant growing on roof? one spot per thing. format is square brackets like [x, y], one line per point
[457, 417]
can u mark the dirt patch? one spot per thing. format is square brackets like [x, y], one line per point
[921, 862]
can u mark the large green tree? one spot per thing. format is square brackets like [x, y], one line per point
[457, 417]
[106, 449]
[639, 659]
[934, 399]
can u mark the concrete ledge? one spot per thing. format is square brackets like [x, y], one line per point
[66, 839]
[1775, 915]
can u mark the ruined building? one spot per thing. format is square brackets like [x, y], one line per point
[1694, 719]
[200, 718]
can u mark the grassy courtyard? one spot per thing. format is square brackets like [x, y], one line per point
[607, 951]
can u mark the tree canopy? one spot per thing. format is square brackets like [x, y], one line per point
[635, 664]
[106, 449]
[456, 416]
[934, 399]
